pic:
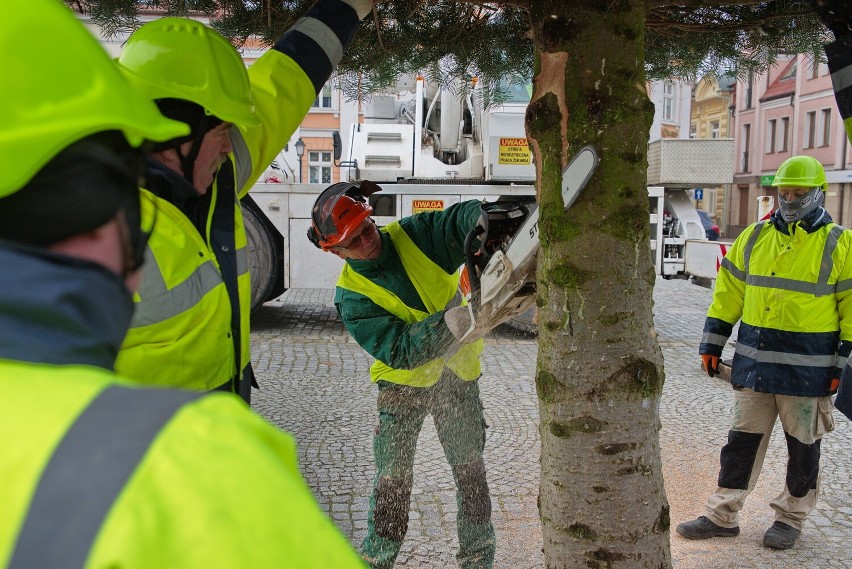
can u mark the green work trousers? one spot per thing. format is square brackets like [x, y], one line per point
[457, 411]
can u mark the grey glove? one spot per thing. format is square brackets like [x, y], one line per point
[470, 323]
[361, 7]
[462, 324]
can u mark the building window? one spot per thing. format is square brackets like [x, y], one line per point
[323, 100]
[784, 134]
[746, 144]
[693, 130]
[668, 101]
[319, 167]
[749, 89]
[825, 127]
[810, 129]
[770, 136]
[714, 129]
[814, 71]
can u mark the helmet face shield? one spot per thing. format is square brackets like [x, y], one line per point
[798, 208]
[338, 212]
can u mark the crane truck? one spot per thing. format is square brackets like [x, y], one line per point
[430, 146]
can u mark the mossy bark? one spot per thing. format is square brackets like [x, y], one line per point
[600, 374]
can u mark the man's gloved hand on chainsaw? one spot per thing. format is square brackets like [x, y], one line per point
[497, 224]
[463, 325]
[468, 323]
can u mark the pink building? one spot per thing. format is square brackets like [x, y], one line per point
[788, 110]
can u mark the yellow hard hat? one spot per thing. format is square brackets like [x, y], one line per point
[178, 58]
[800, 172]
[60, 91]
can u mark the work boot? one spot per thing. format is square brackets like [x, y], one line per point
[781, 536]
[703, 528]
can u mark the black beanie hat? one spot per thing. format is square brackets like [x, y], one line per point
[190, 113]
[80, 189]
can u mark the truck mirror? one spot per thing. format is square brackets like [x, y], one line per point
[336, 144]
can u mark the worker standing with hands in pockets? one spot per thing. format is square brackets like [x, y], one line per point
[788, 281]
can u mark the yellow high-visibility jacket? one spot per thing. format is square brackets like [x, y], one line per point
[101, 473]
[191, 327]
[437, 289]
[793, 295]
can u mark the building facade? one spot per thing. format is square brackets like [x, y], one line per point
[787, 110]
[672, 100]
[711, 116]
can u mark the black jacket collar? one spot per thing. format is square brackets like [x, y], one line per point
[812, 222]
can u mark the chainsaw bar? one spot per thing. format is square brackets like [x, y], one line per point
[577, 173]
[511, 271]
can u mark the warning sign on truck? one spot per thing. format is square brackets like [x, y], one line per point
[514, 151]
[419, 206]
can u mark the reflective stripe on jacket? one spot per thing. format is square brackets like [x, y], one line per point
[436, 289]
[792, 295]
[181, 333]
[149, 498]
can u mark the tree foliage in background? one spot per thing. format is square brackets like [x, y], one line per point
[457, 39]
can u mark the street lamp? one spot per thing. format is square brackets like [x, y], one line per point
[300, 151]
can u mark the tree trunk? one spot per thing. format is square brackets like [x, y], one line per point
[600, 374]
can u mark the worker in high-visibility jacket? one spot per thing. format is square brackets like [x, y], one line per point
[398, 298]
[837, 16]
[96, 471]
[788, 281]
[191, 326]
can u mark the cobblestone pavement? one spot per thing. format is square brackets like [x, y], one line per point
[315, 385]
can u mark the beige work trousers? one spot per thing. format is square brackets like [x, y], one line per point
[805, 418]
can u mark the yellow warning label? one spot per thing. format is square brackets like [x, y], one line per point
[514, 151]
[419, 206]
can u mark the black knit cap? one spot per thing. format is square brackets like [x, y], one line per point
[80, 189]
[190, 113]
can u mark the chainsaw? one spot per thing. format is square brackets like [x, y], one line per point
[501, 270]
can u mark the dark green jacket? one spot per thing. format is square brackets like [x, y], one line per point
[440, 236]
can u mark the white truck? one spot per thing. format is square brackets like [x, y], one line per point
[428, 147]
[676, 167]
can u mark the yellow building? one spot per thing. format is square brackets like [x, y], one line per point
[711, 117]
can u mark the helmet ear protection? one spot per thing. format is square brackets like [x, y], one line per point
[338, 211]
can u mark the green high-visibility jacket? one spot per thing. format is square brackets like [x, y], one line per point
[181, 334]
[792, 292]
[89, 478]
[399, 299]
[191, 327]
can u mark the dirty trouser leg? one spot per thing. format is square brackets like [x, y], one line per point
[805, 421]
[461, 430]
[394, 443]
[742, 458]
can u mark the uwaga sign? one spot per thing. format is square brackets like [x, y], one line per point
[514, 151]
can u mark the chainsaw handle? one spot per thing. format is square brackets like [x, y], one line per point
[469, 254]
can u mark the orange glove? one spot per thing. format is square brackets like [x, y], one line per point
[711, 364]
[835, 383]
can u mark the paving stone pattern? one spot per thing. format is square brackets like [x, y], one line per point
[315, 384]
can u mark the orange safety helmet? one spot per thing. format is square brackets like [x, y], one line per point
[338, 211]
